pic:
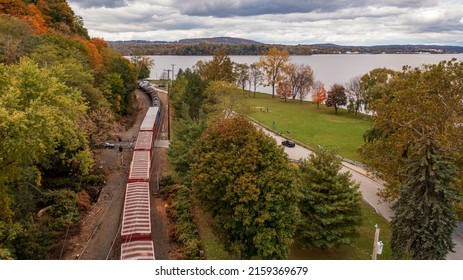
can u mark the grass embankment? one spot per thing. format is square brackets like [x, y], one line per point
[361, 248]
[341, 133]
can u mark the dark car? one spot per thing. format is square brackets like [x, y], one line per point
[288, 143]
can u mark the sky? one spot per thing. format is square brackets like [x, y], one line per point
[292, 22]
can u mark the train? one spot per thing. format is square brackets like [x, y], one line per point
[136, 237]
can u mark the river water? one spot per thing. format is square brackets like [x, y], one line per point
[330, 69]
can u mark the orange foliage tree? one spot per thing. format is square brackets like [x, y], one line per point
[284, 89]
[93, 54]
[16, 8]
[36, 19]
[319, 93]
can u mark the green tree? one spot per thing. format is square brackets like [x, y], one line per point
[189, 89]
[375, 84]
[243, 179]
[273, 65]
[222, 100]
[330, 203]
[336, 97]
[143, 65]
[427, 98]
[424, 214]
[186, 133]
[39, 124]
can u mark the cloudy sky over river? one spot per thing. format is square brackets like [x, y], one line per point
[359, 22]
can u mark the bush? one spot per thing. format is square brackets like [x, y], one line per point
[180, 212]
[62, 210]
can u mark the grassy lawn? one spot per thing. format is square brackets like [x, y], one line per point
[360, 249]
[341, 133]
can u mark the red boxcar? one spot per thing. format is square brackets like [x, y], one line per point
[136, 219]
[137, 250]
[144, 141]
[140, 167]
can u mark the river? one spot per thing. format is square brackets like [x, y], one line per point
[330, 69]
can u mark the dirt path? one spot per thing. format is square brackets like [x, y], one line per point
[96, 236]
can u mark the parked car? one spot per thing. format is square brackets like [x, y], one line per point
[288, 143]
[108, 145]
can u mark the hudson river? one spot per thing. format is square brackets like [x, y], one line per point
[330, 69]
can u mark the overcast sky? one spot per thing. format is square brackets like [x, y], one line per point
[348, 22]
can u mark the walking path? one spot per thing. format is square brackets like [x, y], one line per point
[369, 188]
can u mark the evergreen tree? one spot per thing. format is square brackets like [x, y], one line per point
[424, 214]
[330, 203]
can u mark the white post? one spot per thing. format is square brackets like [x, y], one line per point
[375, 243]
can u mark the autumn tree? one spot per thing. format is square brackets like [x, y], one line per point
[354, 94]
[220, 68]
[273, 65]
[330, 203]
[426, 98]
[243, 180]
[242, 74]
[284, 89]
[301, 79]
[336, 97]
[318, 93]
[255, 76]
[424, 214]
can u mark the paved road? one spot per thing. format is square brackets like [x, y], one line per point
[369, 189]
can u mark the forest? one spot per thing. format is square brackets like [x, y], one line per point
[61, 92]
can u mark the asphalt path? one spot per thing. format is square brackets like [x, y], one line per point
[369, 188]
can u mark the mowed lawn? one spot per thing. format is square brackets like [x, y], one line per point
[341, 133]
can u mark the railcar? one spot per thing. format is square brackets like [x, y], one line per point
[136, 219]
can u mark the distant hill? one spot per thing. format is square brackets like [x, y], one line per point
[239, 46]
[218, 40]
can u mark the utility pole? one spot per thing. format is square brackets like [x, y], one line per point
[375, 243]
[168, 103]
[168, 100]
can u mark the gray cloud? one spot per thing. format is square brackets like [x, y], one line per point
[231, 8]
[350, 22]
[99, 3]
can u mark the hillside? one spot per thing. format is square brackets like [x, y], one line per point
[218, 40]
[61, 93]
[239, 46]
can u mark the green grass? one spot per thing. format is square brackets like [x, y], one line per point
[341, 133]
[361, 247]
[213, 249]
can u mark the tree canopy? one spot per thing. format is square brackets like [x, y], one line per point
[427, 99]
[242, 178]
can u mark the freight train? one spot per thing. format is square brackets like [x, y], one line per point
[136, 237]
